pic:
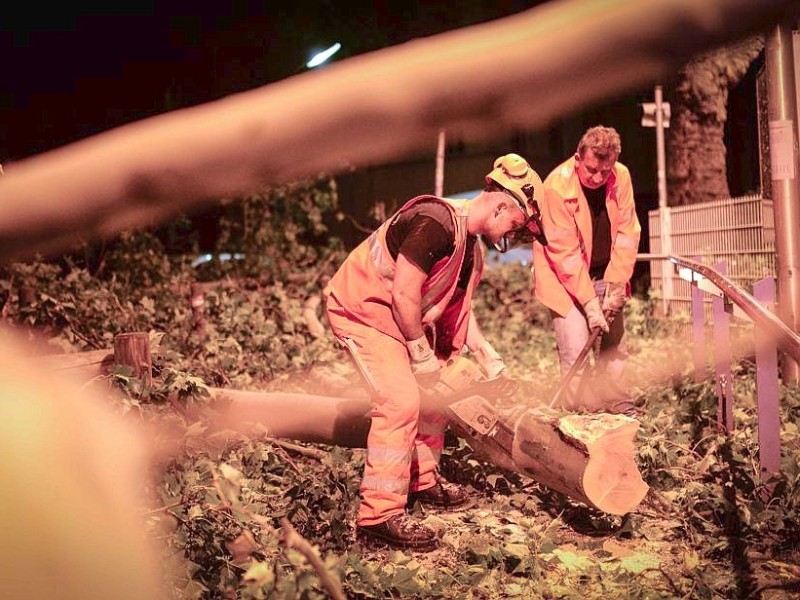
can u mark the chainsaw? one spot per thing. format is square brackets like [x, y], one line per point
[587, 457]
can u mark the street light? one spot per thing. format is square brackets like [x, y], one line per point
[321, 57]
[656, 114]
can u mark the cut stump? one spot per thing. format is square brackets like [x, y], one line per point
[133, 350]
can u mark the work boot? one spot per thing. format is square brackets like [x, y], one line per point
[400, 531]
[443, 495]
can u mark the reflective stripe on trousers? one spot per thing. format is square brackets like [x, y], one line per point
[403, 445]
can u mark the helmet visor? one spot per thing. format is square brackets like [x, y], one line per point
[532, 229]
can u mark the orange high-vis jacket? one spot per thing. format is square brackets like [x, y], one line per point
[561, 270]
[363, 284]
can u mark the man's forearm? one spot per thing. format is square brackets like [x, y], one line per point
[407, 298]
[475, 338]
[407, 313]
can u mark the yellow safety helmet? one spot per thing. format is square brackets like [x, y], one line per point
[513, 173]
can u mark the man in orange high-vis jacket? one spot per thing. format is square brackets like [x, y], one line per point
[583, 274]
[401, 304]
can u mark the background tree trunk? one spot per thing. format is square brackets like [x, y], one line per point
[696, 154]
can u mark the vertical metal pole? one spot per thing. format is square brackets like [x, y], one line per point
[769, 421]
[782, 111]
[698, 331]
[439, 183]
[660, 153]
[722, 357]
[666, 221]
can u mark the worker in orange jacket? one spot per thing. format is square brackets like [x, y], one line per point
[583, 274]
[401, 304]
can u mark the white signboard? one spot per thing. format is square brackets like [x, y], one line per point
[781, 149]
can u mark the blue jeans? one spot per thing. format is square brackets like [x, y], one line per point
[604, 392]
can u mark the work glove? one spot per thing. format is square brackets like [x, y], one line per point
[499, 388]
[594, 315]
[424, 364]
[614, 298]
[489, 360]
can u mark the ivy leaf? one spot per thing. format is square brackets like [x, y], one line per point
[259, 574]
[690, 562]
[639, 561]
[572, 561]
[519, 551]
[230, 473]
[405, 582]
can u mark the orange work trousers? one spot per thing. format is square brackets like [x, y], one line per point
[404, 443]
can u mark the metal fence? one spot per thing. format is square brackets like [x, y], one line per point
[740, 231]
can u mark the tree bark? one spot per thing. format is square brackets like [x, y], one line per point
[304, 417]
[197, 300]
[696, 154]
[133, 350]
[589, 458]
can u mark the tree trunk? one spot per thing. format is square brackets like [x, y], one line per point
[133, 350]
[197, 300]
[26, 295]
[696, 160]
[589, 458]
[304, 417]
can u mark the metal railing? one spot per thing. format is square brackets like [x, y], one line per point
[770, 334]
[739, 231]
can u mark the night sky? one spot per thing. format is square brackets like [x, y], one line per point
[76, 69]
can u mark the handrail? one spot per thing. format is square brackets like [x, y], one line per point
[785, 338]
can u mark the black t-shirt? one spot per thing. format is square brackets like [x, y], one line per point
[425, 234]
[601, 231]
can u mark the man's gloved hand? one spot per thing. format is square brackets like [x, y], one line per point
[500, 388]
[489, 360]
[594, 315]
[614, 298]
[424, 364]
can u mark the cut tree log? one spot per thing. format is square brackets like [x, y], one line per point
[304, 417]
[26, 295]
[588, 457]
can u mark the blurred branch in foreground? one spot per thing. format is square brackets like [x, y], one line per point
[531, 68]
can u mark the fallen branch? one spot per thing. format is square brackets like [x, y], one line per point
[378, 107]
[790, 586]
[303, 450]
[292, 539]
